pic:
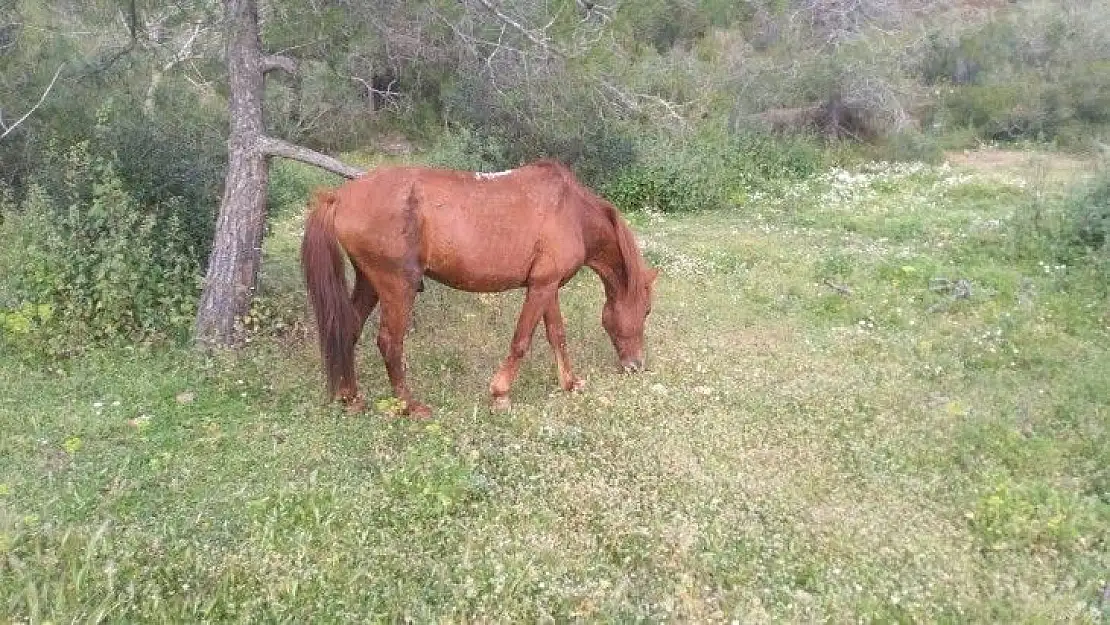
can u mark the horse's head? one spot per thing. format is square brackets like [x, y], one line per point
[623, 318]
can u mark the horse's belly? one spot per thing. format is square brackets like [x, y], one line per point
[492, 249]
[474, 283]
[479, 270]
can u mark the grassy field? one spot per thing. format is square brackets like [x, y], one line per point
[867, 400]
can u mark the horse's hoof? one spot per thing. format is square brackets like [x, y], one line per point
[576, 384]
[500, 403]
[355, 405]
[417, 410]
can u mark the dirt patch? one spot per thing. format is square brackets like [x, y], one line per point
[1052, 166]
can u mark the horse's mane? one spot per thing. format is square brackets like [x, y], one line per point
[634, 268]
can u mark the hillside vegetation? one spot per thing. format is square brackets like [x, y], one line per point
[876, 384]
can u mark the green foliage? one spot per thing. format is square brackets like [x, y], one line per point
[291, 186]
[663, 24]
[761, 159]
[1027, 108]
[962, 59]
[551, 118]
[468, 150]
[1088, 210]
[1066, 234]
[164, 123]
[1029, 73]
[709, 171]
[1037, 518]
[95, 264]
[661, 188]
[172, 160]
[1089, 91]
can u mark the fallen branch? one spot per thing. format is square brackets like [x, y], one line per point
[839, 288]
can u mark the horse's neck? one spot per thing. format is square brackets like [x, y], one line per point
[603, 252]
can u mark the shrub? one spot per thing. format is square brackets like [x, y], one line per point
[1071, 233]
[759, 159]
[1089, 214]
[660, 188]
[466, 149]
[170, 161]
[95, 265]
[1033, 72]
[710, 170]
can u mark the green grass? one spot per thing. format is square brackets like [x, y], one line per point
[882, 451]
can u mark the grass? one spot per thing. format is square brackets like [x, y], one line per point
[830, 430]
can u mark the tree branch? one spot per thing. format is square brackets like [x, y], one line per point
[8, 129]
[539, 38]
[277, 147]
[539, 41]
[182, 55]
[276, 61]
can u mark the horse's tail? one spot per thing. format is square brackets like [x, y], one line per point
[322, 260]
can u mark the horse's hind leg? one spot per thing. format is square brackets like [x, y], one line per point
[364, 298]
[397, 295]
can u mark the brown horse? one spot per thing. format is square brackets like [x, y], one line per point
[531, 227]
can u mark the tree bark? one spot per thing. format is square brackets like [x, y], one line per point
[237, 248]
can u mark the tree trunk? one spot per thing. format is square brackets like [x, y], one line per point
[236, 249]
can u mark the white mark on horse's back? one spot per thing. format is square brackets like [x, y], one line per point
[480, 175]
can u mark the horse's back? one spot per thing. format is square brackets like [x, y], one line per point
[473, 231]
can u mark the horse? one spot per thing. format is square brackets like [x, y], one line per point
[532, 227]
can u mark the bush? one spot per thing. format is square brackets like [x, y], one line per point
[95, 265]
[1071, 233]
[173, 161]
[661, 188]
[468, 150]
[710, 170]
[1034, 72]
[1089, 213]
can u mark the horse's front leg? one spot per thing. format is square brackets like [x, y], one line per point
[535, 303]
[557, 337]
